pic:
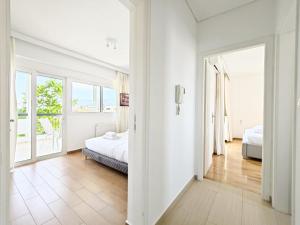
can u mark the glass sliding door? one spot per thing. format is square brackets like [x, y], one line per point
[23, 99]
[49, 115]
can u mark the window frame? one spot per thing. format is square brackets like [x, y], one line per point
[101, 93]
[101, 108]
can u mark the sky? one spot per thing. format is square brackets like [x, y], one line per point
[82, 92]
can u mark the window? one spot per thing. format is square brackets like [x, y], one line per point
[109, 99]
[93, 98]
[85, 97]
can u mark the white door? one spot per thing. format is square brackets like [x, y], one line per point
[23, 151]
[209, 114]
[39, 119]
[49, 115]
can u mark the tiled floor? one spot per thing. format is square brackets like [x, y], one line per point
[234, 170]
[213, 203]
[67, 190]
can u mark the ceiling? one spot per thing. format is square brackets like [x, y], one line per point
[204, 9]
[245, 62]
[77, 25]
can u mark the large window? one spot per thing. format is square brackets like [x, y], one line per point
[109, 99]
[23, 97]
[85, 97]
[39, 125]
[92, 98]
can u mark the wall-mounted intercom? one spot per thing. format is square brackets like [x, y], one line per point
[179, 92]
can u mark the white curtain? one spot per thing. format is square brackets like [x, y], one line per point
[122, 86]
[219, 117]
[228, 122]
[13, 105]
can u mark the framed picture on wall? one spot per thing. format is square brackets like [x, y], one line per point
[124, 99]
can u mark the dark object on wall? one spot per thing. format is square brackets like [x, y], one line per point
[124, 99]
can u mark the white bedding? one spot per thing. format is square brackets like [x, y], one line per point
[114, 148]
[253, 136]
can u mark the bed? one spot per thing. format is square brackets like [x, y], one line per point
[107, 149]
[252, 143]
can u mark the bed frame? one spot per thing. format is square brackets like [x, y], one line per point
[107, 161]
[251, 151]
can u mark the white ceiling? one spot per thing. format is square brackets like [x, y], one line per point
[77, 25]
[245, 62]
[203, 9]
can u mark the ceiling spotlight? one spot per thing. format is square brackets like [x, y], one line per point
[111, 43]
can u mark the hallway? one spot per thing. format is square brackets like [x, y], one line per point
[212, 203]
[232, 169]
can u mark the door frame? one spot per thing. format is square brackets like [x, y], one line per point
[137, 210]
[269, 82]
[296, 129]
[4, 112]
[34, 74]
[138, 121]
[207, 117]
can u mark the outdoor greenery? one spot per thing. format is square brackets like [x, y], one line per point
[49, 96]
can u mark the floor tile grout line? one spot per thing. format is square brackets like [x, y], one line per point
[24, 201]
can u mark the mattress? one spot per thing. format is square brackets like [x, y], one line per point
[253, 136]
[113, 148]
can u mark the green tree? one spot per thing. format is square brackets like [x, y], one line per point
[49, 96]
[23, 108]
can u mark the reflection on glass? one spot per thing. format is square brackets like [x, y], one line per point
[109, 99]
[49, 95]
[23, 91]
[85, 97]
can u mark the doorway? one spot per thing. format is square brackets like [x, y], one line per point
[234, 117]
[139, 12]
[39, 119]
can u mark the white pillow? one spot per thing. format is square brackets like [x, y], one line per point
[110, 134]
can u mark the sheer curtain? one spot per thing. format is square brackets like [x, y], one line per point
[228, 125]
[122, 86]
[13, 105]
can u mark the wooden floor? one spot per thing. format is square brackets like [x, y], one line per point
[234, 170]
[213, 203]
[67, 190]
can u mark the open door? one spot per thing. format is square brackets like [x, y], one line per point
[210, 100]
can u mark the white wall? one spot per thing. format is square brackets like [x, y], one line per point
[284, 105]
[171, 137]
[252, 23]
[244, 24]
[283, 122]
[247, 102]
[79, 126]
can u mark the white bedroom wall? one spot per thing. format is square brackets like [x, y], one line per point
[79, 126]
[247, 102]
[171, 138]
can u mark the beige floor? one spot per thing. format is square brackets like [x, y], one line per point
[69, 191]
[213, 203]
[232, 169]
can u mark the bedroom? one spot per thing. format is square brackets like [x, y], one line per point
[70, 93]
[234, 154]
